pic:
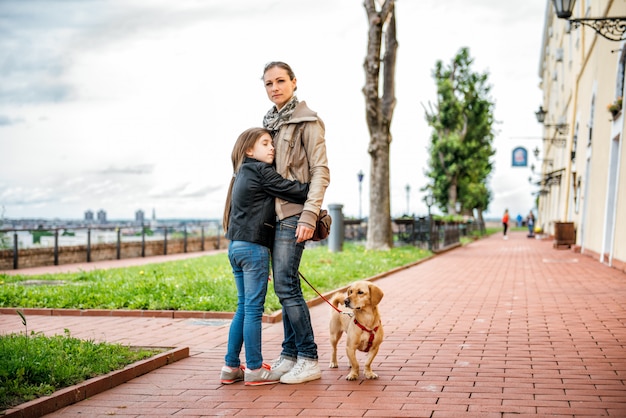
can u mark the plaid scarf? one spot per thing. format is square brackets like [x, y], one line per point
[274, 118]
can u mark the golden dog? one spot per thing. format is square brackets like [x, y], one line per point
[361, 323]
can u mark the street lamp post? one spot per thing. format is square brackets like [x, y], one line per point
[429, 200]
[359, 176]
[408, 196]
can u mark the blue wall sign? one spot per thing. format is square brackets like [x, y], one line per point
[520, 157]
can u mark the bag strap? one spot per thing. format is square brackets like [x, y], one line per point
[298, 135]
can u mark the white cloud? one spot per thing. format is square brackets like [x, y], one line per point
[135, 104]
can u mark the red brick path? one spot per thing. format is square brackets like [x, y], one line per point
[495, 329]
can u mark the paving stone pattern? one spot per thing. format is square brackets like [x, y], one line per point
[497, 328]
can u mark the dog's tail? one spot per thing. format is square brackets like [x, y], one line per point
[338, 299]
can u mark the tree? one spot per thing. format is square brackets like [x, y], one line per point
[462, 137]
[378, 113]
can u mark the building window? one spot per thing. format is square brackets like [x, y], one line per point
[591, 116]
[619, 85]
[577, 196]
[574, 143]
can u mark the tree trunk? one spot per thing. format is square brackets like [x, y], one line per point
[452, 197]
[379, 232]
[481, 220]
[378, 115]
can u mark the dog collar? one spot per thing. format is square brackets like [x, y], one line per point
[372, 334]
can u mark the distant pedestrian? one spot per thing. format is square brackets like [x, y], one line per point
[530, 221]
[505, 223]
[249, 220]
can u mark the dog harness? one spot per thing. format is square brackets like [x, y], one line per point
[372, 334]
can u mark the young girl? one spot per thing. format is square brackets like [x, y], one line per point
[249, 219]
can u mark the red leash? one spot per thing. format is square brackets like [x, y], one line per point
[327, 301]
[372, 332]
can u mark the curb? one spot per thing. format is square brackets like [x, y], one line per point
[81, 391]
[118, 312]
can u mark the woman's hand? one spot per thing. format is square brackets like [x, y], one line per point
[304, 233]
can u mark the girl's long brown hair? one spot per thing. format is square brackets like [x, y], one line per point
[244, 143]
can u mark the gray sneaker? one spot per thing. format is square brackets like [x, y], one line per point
[283, 364]
[305, 370]
[231, 375]
[263, 376]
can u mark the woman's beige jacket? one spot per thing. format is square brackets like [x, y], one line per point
[300, 154]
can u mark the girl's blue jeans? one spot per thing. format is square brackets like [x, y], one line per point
[299, 340]
[250, 263]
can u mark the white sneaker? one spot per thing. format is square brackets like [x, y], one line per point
[305, 370]
[283, 365]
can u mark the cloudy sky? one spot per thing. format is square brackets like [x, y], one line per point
[135, 104]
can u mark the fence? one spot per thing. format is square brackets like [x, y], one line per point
[424, 232]
[66, 245]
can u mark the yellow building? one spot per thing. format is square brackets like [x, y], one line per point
[583, 160]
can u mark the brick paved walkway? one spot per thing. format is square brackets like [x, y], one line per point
[495, 329]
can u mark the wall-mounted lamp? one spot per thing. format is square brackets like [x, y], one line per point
[561, 128]
[534, 180]
[548, 161]
[611, 28]
[541, 114]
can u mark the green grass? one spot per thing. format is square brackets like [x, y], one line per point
[34, 365]
[203, 283]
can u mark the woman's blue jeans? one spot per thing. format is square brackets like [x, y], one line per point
[299, 340]
[250, 263]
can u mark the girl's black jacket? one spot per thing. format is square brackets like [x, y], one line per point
[252, 213]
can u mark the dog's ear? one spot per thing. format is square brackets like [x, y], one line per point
[376, 294]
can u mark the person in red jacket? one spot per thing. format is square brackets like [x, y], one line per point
[505, 222]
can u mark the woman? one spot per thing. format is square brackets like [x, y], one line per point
[249, 217]
[300, 155]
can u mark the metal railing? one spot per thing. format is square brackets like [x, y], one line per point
[65, 236]
[423, 231]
